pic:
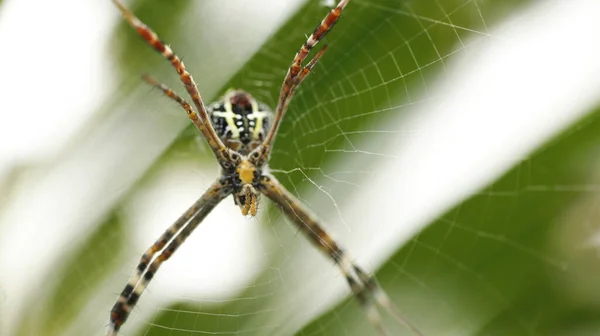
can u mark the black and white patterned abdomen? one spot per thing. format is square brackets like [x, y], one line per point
[240, 121]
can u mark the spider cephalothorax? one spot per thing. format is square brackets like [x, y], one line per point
[240, 131]
[243, 178]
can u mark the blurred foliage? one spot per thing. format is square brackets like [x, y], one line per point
[513, 252]
[83, 272]
[383, 54]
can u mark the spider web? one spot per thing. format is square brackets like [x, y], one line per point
[477, 216]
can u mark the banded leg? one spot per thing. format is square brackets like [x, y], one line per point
[173, 95]
[149, 264]
[364, 287]
[289, 83]
[285, 101]
[201, 118]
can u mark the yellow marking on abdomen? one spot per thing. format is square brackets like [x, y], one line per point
[259, 117]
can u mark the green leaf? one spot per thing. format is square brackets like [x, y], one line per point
[510, 259]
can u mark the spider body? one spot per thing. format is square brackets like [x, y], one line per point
[240, 120]
[240, 131]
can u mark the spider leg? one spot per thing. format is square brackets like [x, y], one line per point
[364, 287]
[293, 86]
[149, 263]
[186, 78]
[296, 70]
[381, 297]
[184, 104]
[318, 34]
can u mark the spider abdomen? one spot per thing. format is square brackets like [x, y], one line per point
[240, 121]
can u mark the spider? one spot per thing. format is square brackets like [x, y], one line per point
[240, 132]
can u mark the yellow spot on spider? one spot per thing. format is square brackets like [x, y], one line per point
[246, 171]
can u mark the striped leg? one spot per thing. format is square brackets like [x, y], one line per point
[364, 287]
[147, 267]
[289, 83]
[318, 34]
[173, 95]
[264, 149]
[201, 119]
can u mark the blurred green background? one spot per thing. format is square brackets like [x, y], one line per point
[514, 258]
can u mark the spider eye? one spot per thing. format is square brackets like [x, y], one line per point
[255, 155]
[235, 156]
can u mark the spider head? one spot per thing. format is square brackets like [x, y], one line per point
[243, 178]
